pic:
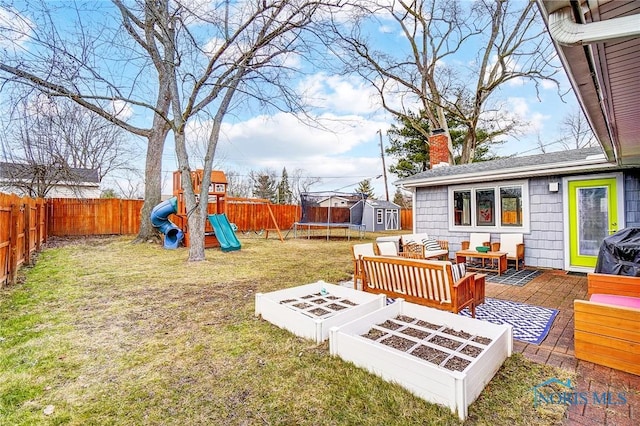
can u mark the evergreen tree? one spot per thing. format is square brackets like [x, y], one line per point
[364, 187]
[264, 185]
[410, 147]
[109, 193]
[401, 199]
[285, 193]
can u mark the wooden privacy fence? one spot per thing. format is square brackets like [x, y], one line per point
[25, 223]
[22, 231]
[75, 217]
[99, 216]
[406, 219]
[255, 215]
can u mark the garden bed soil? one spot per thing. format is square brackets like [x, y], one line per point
[441, 357]
[434, 348]
[311, 310]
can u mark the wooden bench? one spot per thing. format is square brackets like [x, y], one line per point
[608, 334]
[424, 282]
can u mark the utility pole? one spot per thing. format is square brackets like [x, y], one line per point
[384, 168]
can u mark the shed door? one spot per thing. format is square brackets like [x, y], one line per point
[593, 215]
[391, 219]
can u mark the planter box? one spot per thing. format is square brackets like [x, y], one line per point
[311, 310]
[431, 381]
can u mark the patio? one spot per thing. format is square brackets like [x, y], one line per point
[557, 289]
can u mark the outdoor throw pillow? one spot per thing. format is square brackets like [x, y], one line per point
[458, 270]
[431, 244]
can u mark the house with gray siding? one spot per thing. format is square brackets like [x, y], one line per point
[564, 203]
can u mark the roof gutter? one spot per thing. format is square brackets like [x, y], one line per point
[587, 165]
[567, 28]
[567, 32]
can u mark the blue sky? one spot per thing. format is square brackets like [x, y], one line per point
[352, 110]
[348, 149]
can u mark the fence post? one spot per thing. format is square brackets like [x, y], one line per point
[27, 233]
[13, 245]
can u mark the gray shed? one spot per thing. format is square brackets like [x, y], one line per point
[378, 215]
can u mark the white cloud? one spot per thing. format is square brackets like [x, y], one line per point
[341, 94]
[16, 28]
[343, 152]
[121, 109]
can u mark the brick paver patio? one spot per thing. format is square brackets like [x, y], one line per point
[557, 289]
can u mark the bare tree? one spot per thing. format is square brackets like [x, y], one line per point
[129, 183]
[55, 142]
[96, 63]
[202, 62]
[237, 185]
[245, 60]
[301, 184]
[422, 77]
[577, 130]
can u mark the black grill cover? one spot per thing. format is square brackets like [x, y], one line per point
[620, 253]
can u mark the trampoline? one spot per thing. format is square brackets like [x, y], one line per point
[327, 211]
[309, 226]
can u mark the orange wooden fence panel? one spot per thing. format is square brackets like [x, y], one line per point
[101, 216]
[22, 231]
[406, 219]
[252, 215]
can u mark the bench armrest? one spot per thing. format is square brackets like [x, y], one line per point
[613, 284]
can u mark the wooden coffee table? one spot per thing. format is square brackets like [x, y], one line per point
[500, 256]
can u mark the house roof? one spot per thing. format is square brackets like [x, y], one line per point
[21, 170]
[553, 163]
[598, 43]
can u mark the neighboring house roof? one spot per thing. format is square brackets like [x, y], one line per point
[598, 43]
[553, 163]
[322, 200]
[18, 170]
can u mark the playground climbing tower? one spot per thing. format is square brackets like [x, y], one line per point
[216, 201]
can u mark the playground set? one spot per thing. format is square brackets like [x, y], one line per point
[170, 216]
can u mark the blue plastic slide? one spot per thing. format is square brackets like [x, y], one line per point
[160, 219]
[224, 232]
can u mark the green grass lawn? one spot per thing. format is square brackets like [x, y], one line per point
[102, 331]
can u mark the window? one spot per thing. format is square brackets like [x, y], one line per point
[497, 207]
[511, 206]
[219, 187]
[462, 209]
[485, 207]
[379, 216]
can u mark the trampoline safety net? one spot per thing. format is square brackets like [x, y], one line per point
[331, 208]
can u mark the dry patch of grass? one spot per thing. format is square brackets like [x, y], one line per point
[108, 332]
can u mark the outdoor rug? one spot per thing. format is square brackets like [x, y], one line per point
[530, 323]
[513, 277]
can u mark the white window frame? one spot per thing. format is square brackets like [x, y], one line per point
[526, 224]
[379, 216]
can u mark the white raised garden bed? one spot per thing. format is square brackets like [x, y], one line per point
[452, 375]
[311, 310]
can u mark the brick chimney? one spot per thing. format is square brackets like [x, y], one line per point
[438, 149]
